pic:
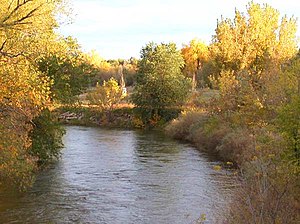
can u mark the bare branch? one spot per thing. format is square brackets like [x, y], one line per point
[10, 55]
[2, 46]
[10, 4]
[19, 5]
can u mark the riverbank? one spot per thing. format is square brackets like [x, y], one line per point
[269, 179]
[122, 117]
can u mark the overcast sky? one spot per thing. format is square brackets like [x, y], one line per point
[120, 28]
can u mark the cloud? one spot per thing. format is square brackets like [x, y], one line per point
[107, 25]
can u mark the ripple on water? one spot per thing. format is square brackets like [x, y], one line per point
[115, 176]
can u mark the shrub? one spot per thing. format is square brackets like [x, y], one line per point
[46, 138]
[180, 128]
[107, 96]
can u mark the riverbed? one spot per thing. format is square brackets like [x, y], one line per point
[123, 176]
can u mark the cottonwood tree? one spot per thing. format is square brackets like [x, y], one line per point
[195, 54]
[26, 32]
[160, 82]
[249, 52]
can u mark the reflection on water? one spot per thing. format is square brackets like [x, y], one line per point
[116, 176]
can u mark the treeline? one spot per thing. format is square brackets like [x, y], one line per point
[253, 119]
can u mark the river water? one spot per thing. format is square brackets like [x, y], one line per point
[121, 176]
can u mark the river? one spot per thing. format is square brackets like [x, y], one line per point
[123, 176]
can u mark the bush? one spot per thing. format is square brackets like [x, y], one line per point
[107, 96]
[46, 138]
[236, 145]
[181, 128]
[268, 194]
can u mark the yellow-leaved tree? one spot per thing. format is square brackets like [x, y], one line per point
[195, 54]
[249, 51]
[26, 33]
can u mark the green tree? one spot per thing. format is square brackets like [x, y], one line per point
[46, 138]
[160, 82]
[68, 71]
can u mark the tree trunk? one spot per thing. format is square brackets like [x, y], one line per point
[299, 86]
[194, 82]
[122, 81]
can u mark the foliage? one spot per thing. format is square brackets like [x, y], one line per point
[255, 120]
[107, 96]
[269, 185]
[255, 40]
[26, 34]
[289, 124]
[195, 55]
[67, 70]
[106, 69]
[160, 83]
[250, 52]
[46, 138]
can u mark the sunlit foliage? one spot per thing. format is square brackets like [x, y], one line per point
[195, 54]
[26, 33]
[160, 82]
[107, 96]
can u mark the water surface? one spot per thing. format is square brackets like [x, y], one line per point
[117, 176]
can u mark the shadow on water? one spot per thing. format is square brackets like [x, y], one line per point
[119, 176]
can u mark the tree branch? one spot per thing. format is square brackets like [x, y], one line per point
[2, 46]
[11, 55]
[20, 21]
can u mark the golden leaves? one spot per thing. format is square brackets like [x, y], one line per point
[26, 33]
[254, 39]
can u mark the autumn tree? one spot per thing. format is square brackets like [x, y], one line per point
[106, 96]
[160, 82]
[26, 33]
[195, 54]
[256, 40]
[258, 87]
[249, 52]
[68, 69]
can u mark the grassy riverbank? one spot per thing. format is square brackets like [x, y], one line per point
[123, 116]
[269, 172]
[91, 116]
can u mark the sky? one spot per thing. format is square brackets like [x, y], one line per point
[120, 28]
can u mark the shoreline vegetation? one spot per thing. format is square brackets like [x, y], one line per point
[238, 97]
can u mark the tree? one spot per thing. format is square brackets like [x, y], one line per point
[254, 41]
[249, 52]
[258, 88]
[26, 34]
[46, 137]
[68, 70]
[160, 82]
[107, 95]
[194, 54]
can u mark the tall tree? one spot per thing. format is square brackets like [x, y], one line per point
[68, 70]
[26, 33]
[160, 82]
[194, 54]
[249, 52]
[254, 40]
